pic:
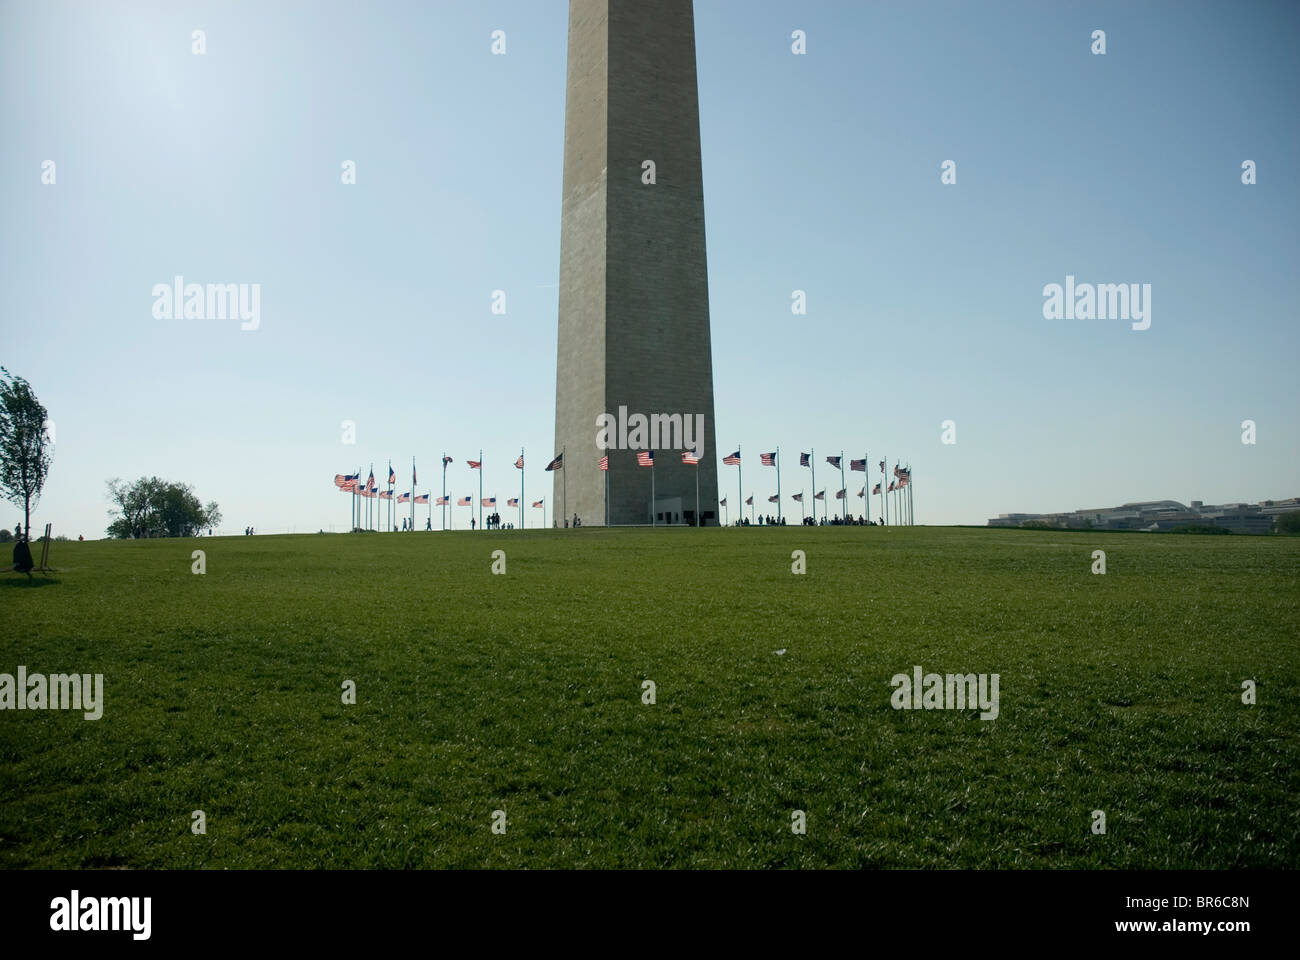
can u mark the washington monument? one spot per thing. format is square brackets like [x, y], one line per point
[634, 293]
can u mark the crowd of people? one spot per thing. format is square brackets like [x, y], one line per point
[859, 521]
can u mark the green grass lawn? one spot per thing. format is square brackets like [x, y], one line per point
[523, 693]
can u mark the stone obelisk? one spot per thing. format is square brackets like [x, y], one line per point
[634, 294]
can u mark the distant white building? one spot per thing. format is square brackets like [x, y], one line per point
[1159, 515]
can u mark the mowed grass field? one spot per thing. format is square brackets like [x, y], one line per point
[523, 693]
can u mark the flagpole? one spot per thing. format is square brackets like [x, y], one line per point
[480, 488]
[521, 490]
[845, 511]
[652, 488]
[740, 478]
[778, 485]
[812, 462]
[606, 472]
[564, 484]
[884, 492]
[866, 494]
[698, 522]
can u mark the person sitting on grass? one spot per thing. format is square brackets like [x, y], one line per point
[23, 558]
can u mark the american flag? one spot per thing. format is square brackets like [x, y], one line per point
[839, 495]
[557, 463]
[690, 459]
[475, 464]
[463, 502]
[346, 481]
[773, 498]
[538, 503]
[645, 458]
[767, 459]
[520, 462]
[862, 492]
[882, 466]
[445, 460]
[489, 501]
[370, 484]
[422, 498]
[385, 494]
[797, 497]
[722, 502]
[858, 465]
[750, 502]
[392, 477]
[443, 501]
[805, 459]
[904, 480]
[413, 480]
[820, 496]
[891, 488]
[512, 502]
[834, 462]
[732, 459]
[875, 490]
[403, 498]
[604, 462]
[368, 493]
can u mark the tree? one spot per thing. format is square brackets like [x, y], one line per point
[1288, 523]
[24, 445]
[151, 507]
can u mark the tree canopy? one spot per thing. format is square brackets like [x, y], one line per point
[24, 444]
[151, 507]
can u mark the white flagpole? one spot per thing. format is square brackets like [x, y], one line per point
[778, 485]
[884, 490]
[844, 489]
[812, 462]
[652, 488]
[739, 484]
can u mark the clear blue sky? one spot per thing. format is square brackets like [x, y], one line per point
[821, 172]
